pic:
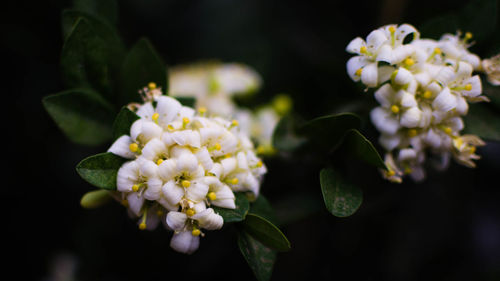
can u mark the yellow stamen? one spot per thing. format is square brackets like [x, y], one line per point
[228, 155]
[217, 146]
[234, 123]
[259, 164]
[427, 94]
[472, 149]
[212, 196]
[134, 147]
[412, 133]
[390, 173]
[408, 62]
[468, 87]
[202, 110]
[447, 130]
[392, 29]
[142, 226]
[363, 49]
[233, 181]
[170, 127]
[152, 85]
[155, 116]
[437, 51]
[358, 72]
[190, 212]
[196, 232]
[135, 187]
[159, 161]
[395, 109]
[468, 36]
[186, 183]
[185, 120]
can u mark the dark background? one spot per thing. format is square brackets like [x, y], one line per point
[446, 228]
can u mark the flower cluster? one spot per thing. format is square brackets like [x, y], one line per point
[214, 85]
[423, 88]
[181, 164]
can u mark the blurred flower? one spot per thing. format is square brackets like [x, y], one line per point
[491, 67]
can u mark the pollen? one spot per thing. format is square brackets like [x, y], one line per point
[152, 85]
[155, 116]
[390, 173]
[468, 87]
[185, 120]
[234, 181]
[427, 94]
[186, 183]
[159, 161]
[472, 149]
[202, 110]
[190, 212]
[234, 122]
[437, 51]
[135, 187]
[259, 164]
[142, 226]
[212, 196]
[468, 35]
[395, 109]
[134, 147]
[409, 62]
[358, 72]
[196, 232]
[412, 133]
[217, 146]
[363, 49]
[392, 29]
[170, 127]
[447, 130]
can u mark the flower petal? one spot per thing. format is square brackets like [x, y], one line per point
[197, 192]
[384, 121]
[135, 203]
[355, 63]
[121, 147]
[167, 108]
[369, 75]
[153, 191]
[176, 220]
[185, 242]
[411, 117]
[127, 176]
[445, 101]
[172, 192]
[208, 219]
[354, 46]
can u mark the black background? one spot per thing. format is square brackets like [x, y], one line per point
[446, 228]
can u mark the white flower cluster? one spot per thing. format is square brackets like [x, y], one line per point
[182, 163]
[423, 88]
[214, 85]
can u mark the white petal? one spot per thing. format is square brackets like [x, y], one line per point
[171, 207]
[185, 242]
[407, 154]
[153, 191]
[389, 142]
[384, 73]
[369, 75]
[464, 70]
[135, 203]
[172, 192]
[176, 220]
[167, 108]
[385, 95]
[241, 157]
[150, 130]
[209, 220]
[198, 207]
[445, 76]
[121, 147]
[403, 76]
[462, 106]
[252, 184]
[154, 150]
[417, 173]
[204, 158]
[146, 111]
[407, 99]
[148, 168]
[384, 121]
[476, 90]
[403, 30]
[228, 165]
[127, 176]
[187, 162]
[472, 59]
[445, 101]
[355, 63]
[385, 54]
[455, 123]
[411, 117]
[152, 220]
[355, 45]
[375, 39]
[197, 191]
[217, 170]
[167, 170]
[225, 203]
[186, 112]
[433, 139]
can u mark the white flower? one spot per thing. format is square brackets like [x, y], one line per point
[491, 67]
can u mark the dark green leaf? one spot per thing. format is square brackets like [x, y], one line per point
[363, 149]
[297, 206]
[87, 59]
[341, 199]
[483, 121]
[266, 232]
[326, 132]
[284, 136]
[84, 116]
[187, 101]
[141, 66]
[259, 257]
[263, 208]
[123, 121]
[95, 199]
[104, 9]
[238, 214]
[101, 169]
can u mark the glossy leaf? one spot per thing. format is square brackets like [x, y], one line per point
[87, 59]
[123, 121]
[266, 232]
[84, 116]
[141, 66]
[263, 208]
[363, 149]
[484, 121]
[238, 214]
[95, 199]
[101, 169]
[341, 199]
[259, 257]
[284, 135]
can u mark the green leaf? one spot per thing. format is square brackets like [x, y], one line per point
[266, 232]
[341, 199]
[327, 131]
[104, 9]
[95, 199]
[101, 169]
[89, 60]
[259, 257]
[483, 121]
[263, 208]
[187, 101]
[123, 121]
[363, 149]
[284, 136]
[141, 66]
[238, 214]
[84, 116]
[297, 206]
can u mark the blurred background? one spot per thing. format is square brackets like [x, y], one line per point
[446, 228]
